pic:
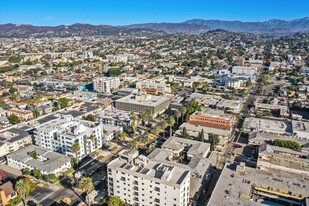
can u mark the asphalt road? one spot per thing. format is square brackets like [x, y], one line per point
[58, 195]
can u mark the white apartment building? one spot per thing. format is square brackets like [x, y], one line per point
[140, 181]
[60, 134]
[117, 58]
[106, 84]
[153, 85]
[87, 54]
[13, 139]
[244, 70]
[47, 161]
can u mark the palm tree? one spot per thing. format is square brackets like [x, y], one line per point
[156, 130]
[163, 125]
[183, 111]
[75, 149]
[181, 157]
[133, 144]
[121, 136]
[178, 115]
[171, 122]
[145, 139]
[24, 187]
[86, 185]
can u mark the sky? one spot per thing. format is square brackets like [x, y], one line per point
[124, 12]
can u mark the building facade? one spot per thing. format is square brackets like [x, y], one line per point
[140, 181]
[60, 134]
[106, 84]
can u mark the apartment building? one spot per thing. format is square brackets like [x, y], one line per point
[22, 114]
[212, 118]
[153, 87]
[47, 161]
[60, 134]
[106, 84]
[115, 117]
[138, 180]
[13, 139]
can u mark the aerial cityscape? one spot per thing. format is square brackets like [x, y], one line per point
[168, 103]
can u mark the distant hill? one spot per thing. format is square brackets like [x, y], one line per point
[272, 27]
[275, 27]
[26, 30]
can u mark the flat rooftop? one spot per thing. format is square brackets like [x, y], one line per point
[234, 188]
[47, 160]
[267, 125]
[153, 101]
[163, 173]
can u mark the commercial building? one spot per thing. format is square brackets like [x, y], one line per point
[45, 160]
[279, 158]
[106, 84]
[233, 82]
[301, 129]
[253, 124]
[142, 102]
[241, 185]
[212, 118]
[61, 133]
[138, 180]
[244, 70]
[13, 139]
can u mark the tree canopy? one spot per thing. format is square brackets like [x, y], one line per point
[287, 144]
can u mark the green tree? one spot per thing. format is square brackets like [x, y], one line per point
[14, 119]
[145, 139]
[133, 144]
[89, 117]
[192, 106]
[201, 136]
[35, 114]
[116, 201]
[213, 140]
[63, 102]
[86, 185]
[112, 72]
[75, 149]
[14, 59]
[37, 173]
[184, 133]
[24, 187]
[26, 171]
[33, 154]
[171, 122]
[287, 144]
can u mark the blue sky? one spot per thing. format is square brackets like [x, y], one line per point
[122, 12]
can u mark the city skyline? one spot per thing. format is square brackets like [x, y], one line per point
[95, 12]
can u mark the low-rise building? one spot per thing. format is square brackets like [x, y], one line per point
[301, 129]
[35, 157]
[279, 158]
[212, 118]
[142, 102]
[22, 114]
[13, 139]
[244, 70]
[241, 185]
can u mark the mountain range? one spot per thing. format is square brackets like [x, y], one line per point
[195, 26]
[274, 27]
